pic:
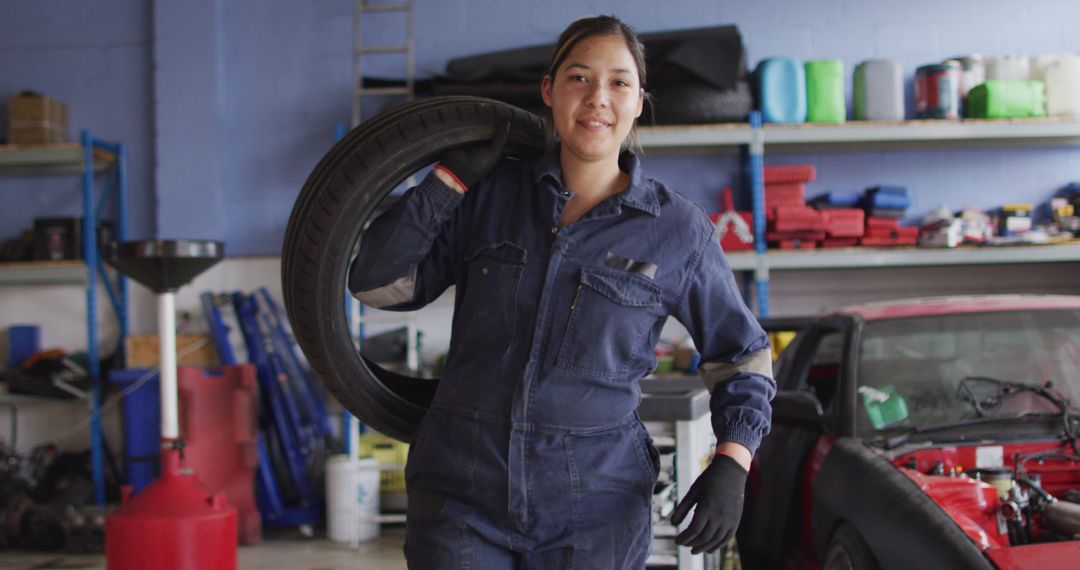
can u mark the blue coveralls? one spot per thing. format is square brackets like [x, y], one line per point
[532, 455]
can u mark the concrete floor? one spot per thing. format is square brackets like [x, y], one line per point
[278, 551]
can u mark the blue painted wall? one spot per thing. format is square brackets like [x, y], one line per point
[268, 95]
[96, 57]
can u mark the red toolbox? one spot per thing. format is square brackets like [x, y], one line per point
[876, 227]
[844, 223]
[797, 219]
[783, 195]
[789, 174]
[735, 230]
[219, 423]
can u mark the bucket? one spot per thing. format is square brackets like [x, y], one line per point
[352, 499]
[937, 91]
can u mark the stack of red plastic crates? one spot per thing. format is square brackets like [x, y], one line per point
[887, 231]
[843, 227]
[791, 223]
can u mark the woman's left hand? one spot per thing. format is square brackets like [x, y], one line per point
[718, 494]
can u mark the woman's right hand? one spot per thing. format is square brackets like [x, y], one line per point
[462, 168]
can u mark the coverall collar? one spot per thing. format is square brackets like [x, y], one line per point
[640, 195]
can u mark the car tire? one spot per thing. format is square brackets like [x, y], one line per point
[339, 198]
[848, 551]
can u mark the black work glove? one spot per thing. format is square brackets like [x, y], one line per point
[718, 493]
[471, 164]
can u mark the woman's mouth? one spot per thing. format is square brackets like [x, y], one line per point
[594, 124]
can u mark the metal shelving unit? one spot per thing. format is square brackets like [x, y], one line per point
[865, 135]
[869, 135]
[86, 158]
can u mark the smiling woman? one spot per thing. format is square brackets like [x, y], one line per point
[565, 269]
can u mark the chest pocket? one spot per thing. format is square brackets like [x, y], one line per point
[611, 313]
[489, 309]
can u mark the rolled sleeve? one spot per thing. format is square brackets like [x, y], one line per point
[735, 353]
[408, 254]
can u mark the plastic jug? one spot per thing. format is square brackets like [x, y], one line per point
[825, 91]
[879, 90]
[1063, 86]
[781, 85]
[1009, 68]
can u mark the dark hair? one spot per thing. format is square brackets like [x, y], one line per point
[584, 28]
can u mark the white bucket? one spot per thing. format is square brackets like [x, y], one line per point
[1063, 86]
[352, 499]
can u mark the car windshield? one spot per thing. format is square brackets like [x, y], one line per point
[975, 369]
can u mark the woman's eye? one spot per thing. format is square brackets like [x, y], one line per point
[621, 83]
[578, 78]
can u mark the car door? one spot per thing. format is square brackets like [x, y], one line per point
[808, 376]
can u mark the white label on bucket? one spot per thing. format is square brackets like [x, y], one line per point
[990, 456]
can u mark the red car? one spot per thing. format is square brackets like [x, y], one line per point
[934, 433]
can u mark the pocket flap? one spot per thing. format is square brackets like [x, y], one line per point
[504, 252]
[621, 287]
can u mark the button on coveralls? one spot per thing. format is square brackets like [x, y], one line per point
[532, 455]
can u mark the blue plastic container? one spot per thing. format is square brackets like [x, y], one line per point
[781, 87]
[23, 342]
[142, 426]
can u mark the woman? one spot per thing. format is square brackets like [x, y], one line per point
[566, 268]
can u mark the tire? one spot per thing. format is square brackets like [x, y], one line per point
[847, 551]
[338, 199]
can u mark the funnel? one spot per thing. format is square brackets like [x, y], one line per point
[173, 510]
[165, 265]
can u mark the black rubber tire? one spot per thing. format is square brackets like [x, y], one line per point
[337, 200]
[848, 551]
[690, 103]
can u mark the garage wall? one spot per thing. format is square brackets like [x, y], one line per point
[96, 57]
[226, 106]
[236, 101]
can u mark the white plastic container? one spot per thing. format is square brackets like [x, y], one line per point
[1063, 86]
[352, 499]
[1042, 62]
[1009, 67]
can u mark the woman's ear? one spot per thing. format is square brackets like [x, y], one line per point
[640, 101]
[546, 87]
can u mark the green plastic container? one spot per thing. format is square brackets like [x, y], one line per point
[825, 91]
[1007, 99]
[883, 405]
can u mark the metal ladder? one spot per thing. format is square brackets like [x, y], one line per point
[360, 50]
[356, 310]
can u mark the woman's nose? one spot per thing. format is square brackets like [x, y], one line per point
[597, 96]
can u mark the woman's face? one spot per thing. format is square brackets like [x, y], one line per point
[594, 96]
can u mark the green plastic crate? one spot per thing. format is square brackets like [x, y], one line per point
[825, 91]
[1003, 99]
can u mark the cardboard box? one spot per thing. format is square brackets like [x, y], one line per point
[34, 118]
[143, 350]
